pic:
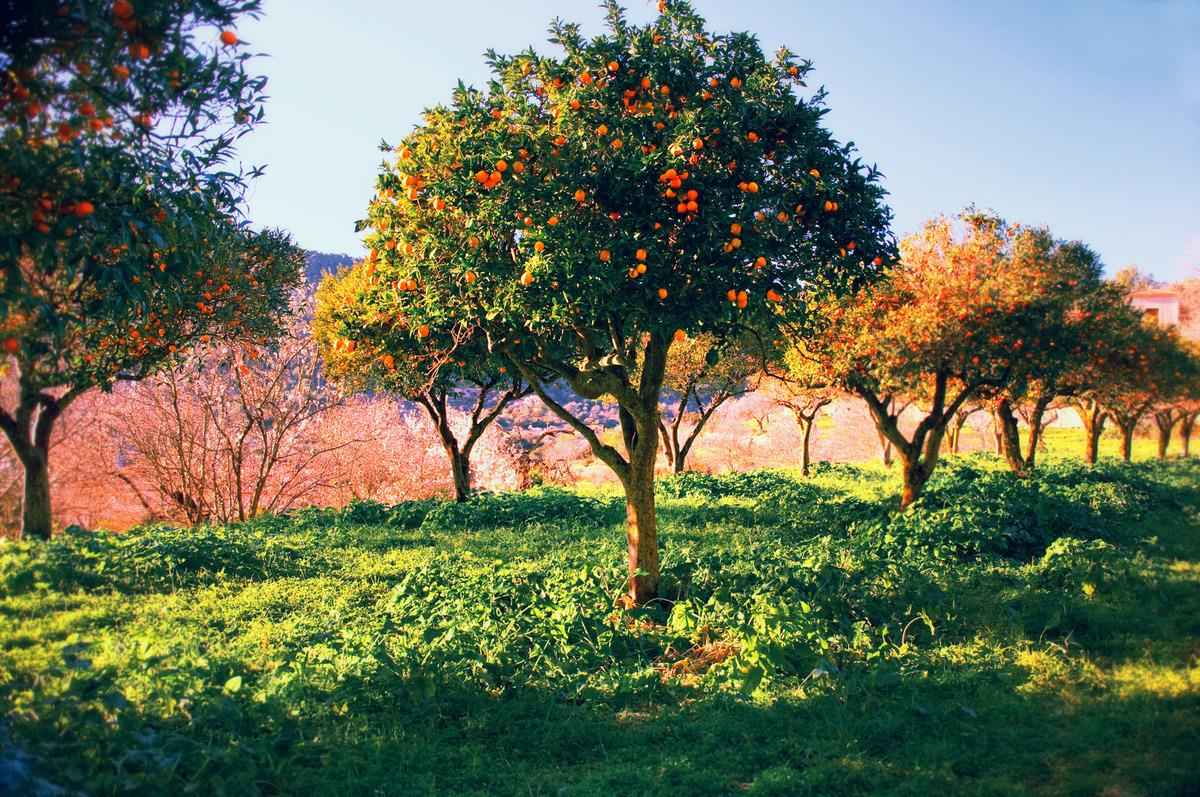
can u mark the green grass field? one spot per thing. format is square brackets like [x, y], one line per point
[1003, 636]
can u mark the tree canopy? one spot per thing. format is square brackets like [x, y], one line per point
[584, 210]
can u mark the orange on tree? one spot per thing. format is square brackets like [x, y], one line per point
[560, 316]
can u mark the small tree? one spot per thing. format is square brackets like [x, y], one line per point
[804, 389]
[700, 377]
[587, 211]
[367, 351]
[231, 433]
[121, 243]
[955, 429]
[952, 321]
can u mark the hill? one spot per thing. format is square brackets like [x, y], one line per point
[321, 263]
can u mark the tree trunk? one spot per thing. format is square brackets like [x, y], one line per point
[669, 447]
[885, 449]
[642, 532]
[1126, 441]
[806, 428]
[35, 505]
[460, 468]
[1037, 426]
[954, 434]
[1186, 424]
[1010, 436]
[915, 477]
[1165, 421]
[1093, 419]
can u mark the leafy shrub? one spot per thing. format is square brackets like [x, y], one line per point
[542, 505]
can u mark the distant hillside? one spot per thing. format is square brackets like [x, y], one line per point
[321, 263]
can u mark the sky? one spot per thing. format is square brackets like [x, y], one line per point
[1083, 115]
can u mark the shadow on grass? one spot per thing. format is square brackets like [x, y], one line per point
[910, 727]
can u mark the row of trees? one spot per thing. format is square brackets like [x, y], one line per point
[661, 197]
[655, 217]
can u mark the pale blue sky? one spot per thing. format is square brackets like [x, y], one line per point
[1080, 114]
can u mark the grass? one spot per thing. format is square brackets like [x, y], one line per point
[1002, 637]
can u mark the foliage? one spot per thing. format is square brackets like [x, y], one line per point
[123, 236]
[334, 647]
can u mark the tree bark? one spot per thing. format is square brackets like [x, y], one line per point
[1186, 424]
[806, 428]
[1037, 425]
[915, 477]
[460, 469]
[1126, 440]
[885, 449]
[1165, 421]
[1093, 419]
[1010, 436]
[641, 527]
[36, 520]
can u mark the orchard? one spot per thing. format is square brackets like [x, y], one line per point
[635, 449]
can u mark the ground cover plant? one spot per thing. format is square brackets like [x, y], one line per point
[1002, 635]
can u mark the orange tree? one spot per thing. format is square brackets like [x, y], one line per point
[364, 349]
[121, 242]
[1151, 368]
[951, 321]
[1178, 404]
[700, 377]
[588, 209]
[1063, 316]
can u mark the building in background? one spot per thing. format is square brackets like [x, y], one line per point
[1159, 304]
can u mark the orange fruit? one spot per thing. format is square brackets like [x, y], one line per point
[605, 255]
[12, 345]
[662, 293]
[580, 195]
[680, 335]
[228, 38]
[641, 254]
